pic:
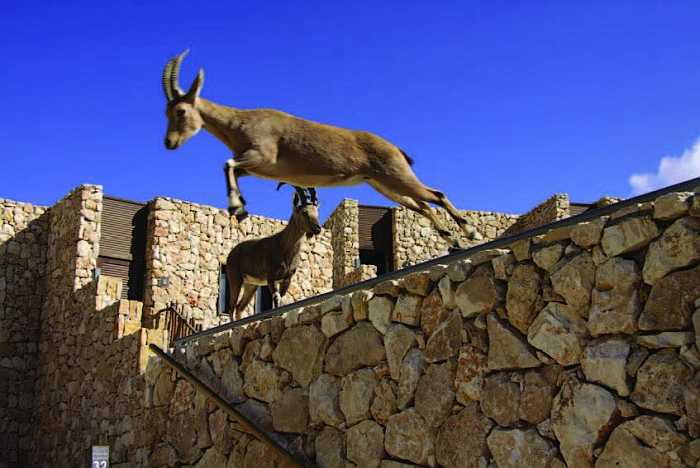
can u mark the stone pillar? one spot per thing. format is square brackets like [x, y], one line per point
[345, 239]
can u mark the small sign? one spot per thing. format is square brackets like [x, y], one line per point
[99, 456]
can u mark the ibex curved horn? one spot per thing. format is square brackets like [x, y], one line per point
[166, 80]
[171, 71]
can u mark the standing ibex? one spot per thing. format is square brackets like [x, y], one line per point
[275, 145]
[273, 260]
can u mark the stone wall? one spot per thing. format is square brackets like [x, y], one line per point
[343, 225]
[553, 209]
[415, 239]
[576, 348]
[23, 241]
[189, 243]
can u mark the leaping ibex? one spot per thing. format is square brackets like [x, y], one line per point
[273, 260]
[279, 146]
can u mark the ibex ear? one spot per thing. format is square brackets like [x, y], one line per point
[296, 201]
[196, 87]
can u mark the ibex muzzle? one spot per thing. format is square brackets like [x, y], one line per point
[279, 146]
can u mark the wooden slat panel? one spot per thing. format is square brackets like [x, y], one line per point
[369, 217]
[118, 227]
[118, 269]
[123, 243]
[578, 208]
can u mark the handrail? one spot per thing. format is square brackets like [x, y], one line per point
[249, 426]
[449, 258]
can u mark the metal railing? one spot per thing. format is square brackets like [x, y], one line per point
[245, 424]
[175, 323]
[692, 184]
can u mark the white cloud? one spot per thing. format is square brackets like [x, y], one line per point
[672, 169]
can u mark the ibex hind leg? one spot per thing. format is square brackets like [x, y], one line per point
[235, 282]
[421, 208]
[248, 293]
[442, 201]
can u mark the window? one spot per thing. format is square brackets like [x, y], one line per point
[263, 299]
[376, 258]
[224, 292]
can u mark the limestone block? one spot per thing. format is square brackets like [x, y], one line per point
[547, 257]
[507, 350]
[330, 448]
[581, 417]
[335, 322]
[324, 404]
[521, 298]
[500, 399]
[447, 293]
[536, 397]
[574, 281]
[521, 249]
[397, 341]
[459, 271]
[587, 234]
[411, 371]
[380, 308]
[462, 438]
[503, 266]
[628, 235]
[356, 395]
[691, 398]
[604, 362]
[384, 402]
[672, 205]
[409, 438]
[446, 339]
[478, 294]
[656, 432]
[300, 351]
[559, 332]
[365, 444]
[361, 346]
[660, 383]
[533, 451]
[407, 309]
[264, 381]
[678, 247]
[472, 365]
[665, 340]
[290, 413]
[434, 394]
[670, 302]
[615, 301]
[360, 304]
[418, 283]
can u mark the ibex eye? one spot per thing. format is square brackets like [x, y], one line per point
[180, 112]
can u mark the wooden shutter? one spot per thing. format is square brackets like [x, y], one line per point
[123, 244]
[374, 229]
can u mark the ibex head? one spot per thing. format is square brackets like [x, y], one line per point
[306, 213]
[184, 120]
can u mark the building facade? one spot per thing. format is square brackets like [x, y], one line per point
[83, 284]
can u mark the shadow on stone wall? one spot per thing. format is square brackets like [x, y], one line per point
[22, 292]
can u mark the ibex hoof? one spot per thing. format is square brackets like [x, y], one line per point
[472, 233]
[241, 215]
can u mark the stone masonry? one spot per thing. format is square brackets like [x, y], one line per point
[189, 243]
[578, 347]
[23, 240]
[490, 361]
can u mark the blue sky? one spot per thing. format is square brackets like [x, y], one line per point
[501, 104]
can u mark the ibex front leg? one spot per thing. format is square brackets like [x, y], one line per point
[238, 167]
[236, 203]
